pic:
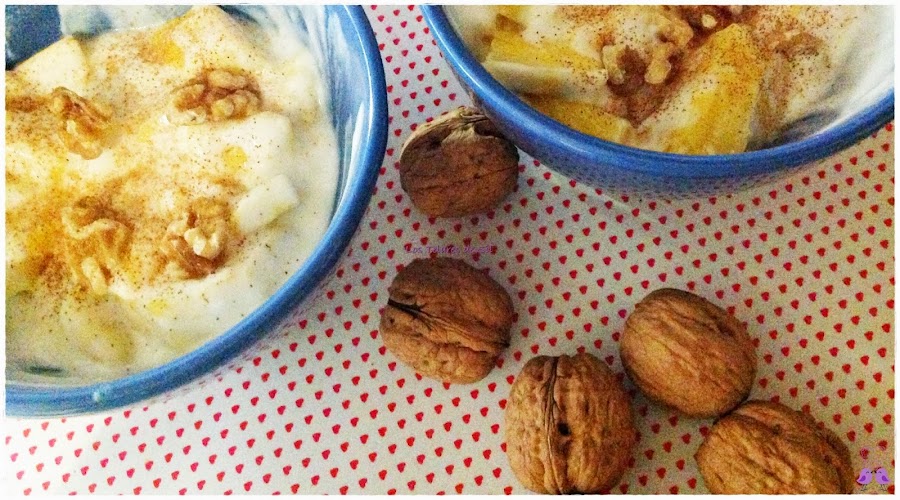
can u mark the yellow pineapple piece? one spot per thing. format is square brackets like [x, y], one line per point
[516, 13]
[162, 48]
[549, 68]
[712, 111]
[586, 118]
[205, 37]
[235, 157]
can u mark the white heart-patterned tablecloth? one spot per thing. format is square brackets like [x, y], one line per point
[807, 263]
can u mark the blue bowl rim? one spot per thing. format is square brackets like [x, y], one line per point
[33, 400]
[590, 150]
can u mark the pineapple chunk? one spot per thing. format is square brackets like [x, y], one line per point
[208, 37]
[586, 118]
[713, 109]
[550, 68]
[265, 203]
[162, 47]
[62, 64]
[251, 150]
[516, 13]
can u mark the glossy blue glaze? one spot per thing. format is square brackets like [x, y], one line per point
[347, 53]
[604, 164]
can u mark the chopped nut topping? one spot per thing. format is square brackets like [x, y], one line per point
[82, 124]
[709, 18]
[208, 247]
[227, 80]
[216, 95]
[98, 239]
[196, 241]
[660, 66]
[677, 32]
[610, 55]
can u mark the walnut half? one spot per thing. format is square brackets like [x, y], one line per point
[196, 241]
[215, 95]
[81, 124]
[96, 240]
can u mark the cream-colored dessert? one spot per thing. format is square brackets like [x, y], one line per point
[682, 79]
[161, 183]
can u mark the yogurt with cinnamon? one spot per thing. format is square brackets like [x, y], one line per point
[681, 79]
[161, 183]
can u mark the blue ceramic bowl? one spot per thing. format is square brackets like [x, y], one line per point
[603, 164]
[347, 54]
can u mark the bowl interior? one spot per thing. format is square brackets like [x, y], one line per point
[348, 60]
[604, 164]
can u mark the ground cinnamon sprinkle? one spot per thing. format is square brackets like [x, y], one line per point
[640, 98]
[649, 52]
[144, 180]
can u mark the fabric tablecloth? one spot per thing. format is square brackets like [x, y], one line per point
[321, 407]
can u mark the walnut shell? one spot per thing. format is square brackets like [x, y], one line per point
[446, 319]
[458, 164]
[685, 352]
[569, 427]
[768, 448]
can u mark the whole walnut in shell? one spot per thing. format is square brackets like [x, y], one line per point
[685, 352]
[568, 426]
[768, 448]
[446, 319]
[458, 164]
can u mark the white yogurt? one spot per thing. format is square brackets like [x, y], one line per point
[76, 308]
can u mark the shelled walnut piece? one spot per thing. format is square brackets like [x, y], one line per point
[96, 238]
[81, 124]
[685, 352]
[569, 427]
[446, 319]
[215, 95]
[459, 164]
[768, 448]
[196, 241]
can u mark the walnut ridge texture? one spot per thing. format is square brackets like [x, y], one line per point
[767, 448]
[687, 353]
[446, 319]
[569, 427]
[458, 164]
